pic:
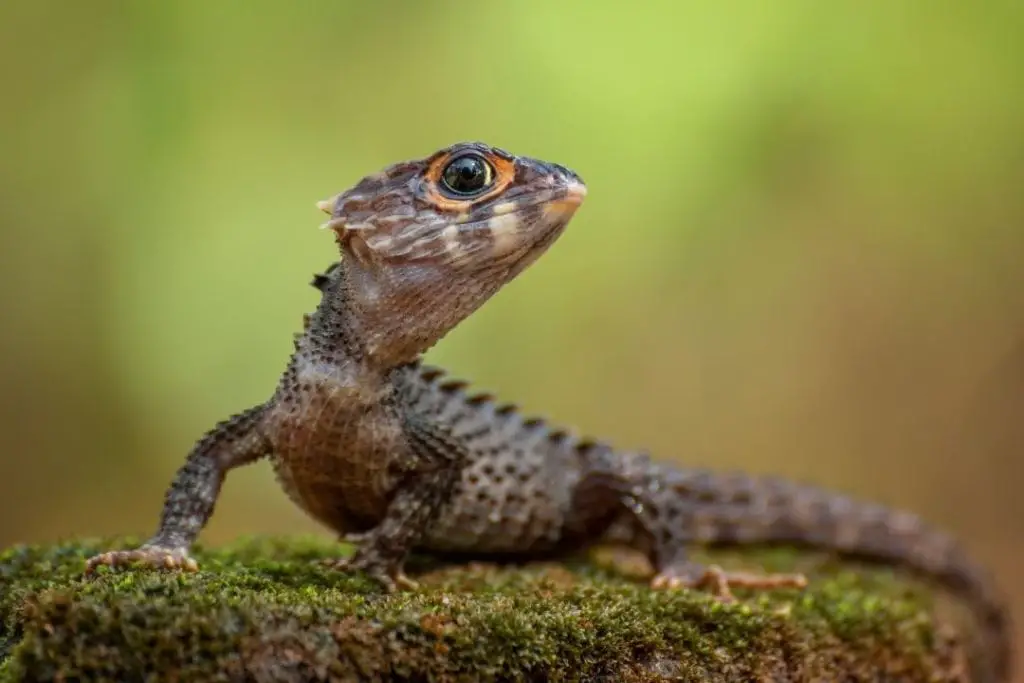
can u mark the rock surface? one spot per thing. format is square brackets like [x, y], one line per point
[263, 610]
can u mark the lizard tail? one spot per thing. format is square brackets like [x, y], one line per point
[871, 532]
[734, 509]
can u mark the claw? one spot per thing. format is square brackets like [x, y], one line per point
[403, 581]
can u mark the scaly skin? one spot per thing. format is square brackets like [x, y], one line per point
[391, 455]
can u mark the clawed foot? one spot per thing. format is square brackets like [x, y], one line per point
[153, 557]
[719, 582]
[390, 577]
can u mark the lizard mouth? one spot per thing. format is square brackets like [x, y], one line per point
[575, 193]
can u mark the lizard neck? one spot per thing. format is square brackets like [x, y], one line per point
[336, 339]
[346, 336]
[386, 317]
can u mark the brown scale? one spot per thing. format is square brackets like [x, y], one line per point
[396, 457]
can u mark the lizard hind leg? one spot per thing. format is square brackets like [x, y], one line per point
[671, 509]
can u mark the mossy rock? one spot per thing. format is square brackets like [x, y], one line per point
[263, 610]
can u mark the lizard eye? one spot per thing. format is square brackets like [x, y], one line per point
[467, 175]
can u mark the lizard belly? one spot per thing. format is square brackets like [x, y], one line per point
[332, 461]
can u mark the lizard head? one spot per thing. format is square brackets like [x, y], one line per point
[425, 242]
[469, 207]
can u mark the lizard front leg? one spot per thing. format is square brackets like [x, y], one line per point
[433, 464]
[191, 498]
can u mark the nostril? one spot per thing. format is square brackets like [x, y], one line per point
[567, 174]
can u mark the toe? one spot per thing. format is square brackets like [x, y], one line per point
[403, 581]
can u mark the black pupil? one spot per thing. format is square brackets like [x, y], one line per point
[466, 175]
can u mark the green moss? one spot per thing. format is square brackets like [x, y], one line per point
[262, 610]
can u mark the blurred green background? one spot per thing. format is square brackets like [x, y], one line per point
[802, 252]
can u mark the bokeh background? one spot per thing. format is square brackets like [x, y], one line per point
[802, 253]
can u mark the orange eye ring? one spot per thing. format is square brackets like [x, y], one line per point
[497, 173]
